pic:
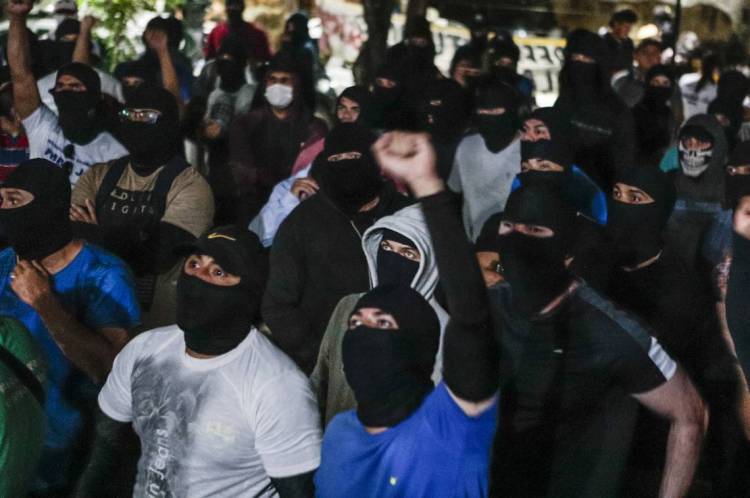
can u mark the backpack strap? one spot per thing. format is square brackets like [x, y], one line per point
[109, 182]
[164, 181]
[25, 376]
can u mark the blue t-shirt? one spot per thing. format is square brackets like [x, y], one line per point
[98, 289]
[438, 452]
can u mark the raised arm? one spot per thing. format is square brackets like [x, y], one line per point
[82, 51]
[679, 402]
[25, 93]
[157, 40]
[470, 353]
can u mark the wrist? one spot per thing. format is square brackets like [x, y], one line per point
[44, 301]
[426, 186]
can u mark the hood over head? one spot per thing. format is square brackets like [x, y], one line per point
[708, 185]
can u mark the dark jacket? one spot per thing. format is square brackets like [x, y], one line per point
[316, 259]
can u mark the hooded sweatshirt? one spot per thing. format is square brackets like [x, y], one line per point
[329, 382]
[699, 199]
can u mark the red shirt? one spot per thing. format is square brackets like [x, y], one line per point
[256, 40]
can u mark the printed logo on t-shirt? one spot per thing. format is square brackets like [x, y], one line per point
[129, 203]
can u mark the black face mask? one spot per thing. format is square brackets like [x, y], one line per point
[394, 269]
[232, 74]
[384, 382]
[350, 185]
[635, 231]
[214, 319]
[35, 230]
[497, 131]
[735, 187]
[385, 98]
[234, 17]
[583, 78]
[657, 95]
[534, 268]
[78, 116]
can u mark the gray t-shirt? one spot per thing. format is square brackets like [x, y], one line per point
[217, 427]
[484, 179]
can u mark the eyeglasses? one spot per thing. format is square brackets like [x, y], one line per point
[147, 116]
[69, 151]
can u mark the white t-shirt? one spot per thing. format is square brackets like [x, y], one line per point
[46, 140]
[109, 85]
[216, 427]
[693, 101]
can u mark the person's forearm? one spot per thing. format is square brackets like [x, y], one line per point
[87, 350]
[112, 466]
[169, 76]
[683, 450]
[82, 50]
[25, 92]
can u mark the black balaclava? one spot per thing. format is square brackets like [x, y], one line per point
[234, 9]
[64, 49]
[500, 48]
[555, 149]
[658, 96]
[585, 82]
[78, 111]
[636, 229]
[731, 91]
[497, 131]
[348, 172]
[535, 267]
[422, 57]
[231, 70]
[151, 145]
[361, 96]
[41, 227]
[300, 33]
[386, 107]
[389, 370]
[392, 267]
[444, 112]
[737, 185]
[137, 69]
[215, 319]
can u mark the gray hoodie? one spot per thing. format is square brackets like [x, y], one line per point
[329, 381]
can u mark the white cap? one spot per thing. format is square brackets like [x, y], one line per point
[65, 6]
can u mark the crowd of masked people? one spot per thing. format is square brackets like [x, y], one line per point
[213, 286]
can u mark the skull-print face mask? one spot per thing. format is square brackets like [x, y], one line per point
[696, 147]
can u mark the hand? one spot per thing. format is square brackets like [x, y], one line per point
[10, 126]
[156, 39]
[88, 23]
[19, 8]
[302, 188]
[30, 282]
[84, 214]
[212, 130]
[410, 158]
[488, 263]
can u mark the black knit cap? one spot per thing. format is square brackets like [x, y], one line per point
[655, 183]
[44, 180]
[237, 251]
[584, 42]
[83, 73]
[148, 96]
[350, 137]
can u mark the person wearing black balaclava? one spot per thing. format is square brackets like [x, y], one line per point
[316, 257]
[727, 107]
[570, 319]
[265, 142]
[699, 180]
[502, 60]
[76, 299]
[654, 119]
[602, 130]
[254, 38]
[141, 206]
[213, 364]
[387, 94]
[388, 355]
[76, 140]
[651, 280]
[443, 115]
[570, 361]
[487, 161]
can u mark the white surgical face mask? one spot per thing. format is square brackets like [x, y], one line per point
[279, 95]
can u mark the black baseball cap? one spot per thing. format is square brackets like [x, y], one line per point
[237, 251]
